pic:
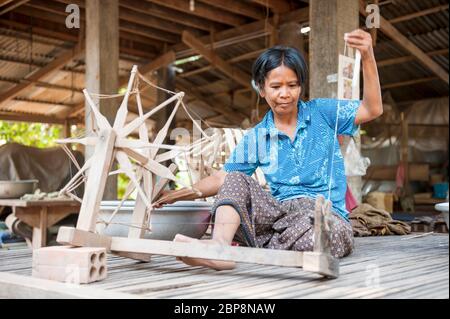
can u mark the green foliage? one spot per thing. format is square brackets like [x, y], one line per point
[122, 183]
[30, 134]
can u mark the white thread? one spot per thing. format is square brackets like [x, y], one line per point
[332, 149]
[357, 68]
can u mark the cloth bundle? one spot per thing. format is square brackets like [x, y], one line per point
[367, 220]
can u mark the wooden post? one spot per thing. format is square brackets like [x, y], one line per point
[66, 133]
[329, 20]
[40, 233]
[406, 196]
[102, 67]
[289, 35]
[404, 147]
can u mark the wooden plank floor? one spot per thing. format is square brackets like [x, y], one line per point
[380, 267]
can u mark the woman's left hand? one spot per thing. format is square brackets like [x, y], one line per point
[360, 40]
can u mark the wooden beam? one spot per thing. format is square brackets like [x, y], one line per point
[408, 58]
[42, 84]
[203, 11]
[5, 2]
[46, 32]
[39, 101]
[145, 31]
[217, 252]
[245, 56]
[151, 21]
[277, 6]
[142, 46]
[159, 62]
[18, 35]
[149, 14]
[15, 59]
[125, 51]
[56, 64]
[234, 73]
[407, 83]
[387, 28]
[238, 7]
[42, 11]
[419, 14]
[11, 5]
[34, 118]
[168, 14]
[234, 115]
[79, 237]
[242, 33]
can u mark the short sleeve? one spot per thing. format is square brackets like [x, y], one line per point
[244, 156]
[347, 112]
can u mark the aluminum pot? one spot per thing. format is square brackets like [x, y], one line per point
[16, 189]
[189, 218]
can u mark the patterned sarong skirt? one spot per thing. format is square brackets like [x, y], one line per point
[269, 223]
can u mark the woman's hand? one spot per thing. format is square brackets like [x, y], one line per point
[371, 106]
[360, 40]
[208, 186]
[172, 196]
[166, 197]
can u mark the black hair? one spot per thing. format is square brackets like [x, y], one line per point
[273, 58]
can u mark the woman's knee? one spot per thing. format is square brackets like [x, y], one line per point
[235, 176]
[234, 181]
[341, 243]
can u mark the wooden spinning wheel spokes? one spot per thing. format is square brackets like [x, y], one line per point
[136, 158]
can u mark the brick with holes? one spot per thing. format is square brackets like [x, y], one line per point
[70, 264]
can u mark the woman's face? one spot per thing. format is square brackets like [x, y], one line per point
[281, 90]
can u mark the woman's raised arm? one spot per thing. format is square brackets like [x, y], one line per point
[372, 105]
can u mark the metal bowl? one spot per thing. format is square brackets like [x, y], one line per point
[443, 207]
[189, 218]
[16, 189]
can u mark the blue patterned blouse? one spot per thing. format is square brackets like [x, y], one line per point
[302, 167]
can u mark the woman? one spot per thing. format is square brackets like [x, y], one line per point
[295, 147]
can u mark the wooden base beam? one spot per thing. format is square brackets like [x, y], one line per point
[321, 263]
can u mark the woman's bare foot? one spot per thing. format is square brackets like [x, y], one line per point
[214, 264]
